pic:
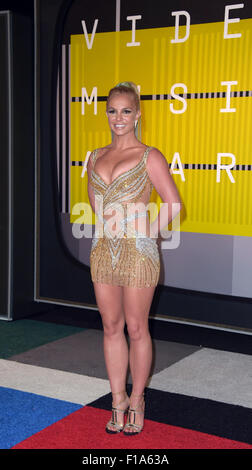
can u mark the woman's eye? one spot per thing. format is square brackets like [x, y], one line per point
[126, 111]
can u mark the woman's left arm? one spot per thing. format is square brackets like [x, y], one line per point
[159, 174]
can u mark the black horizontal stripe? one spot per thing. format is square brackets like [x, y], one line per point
[191, 166]
[197, 95]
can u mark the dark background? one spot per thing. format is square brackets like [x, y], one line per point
[61, 278]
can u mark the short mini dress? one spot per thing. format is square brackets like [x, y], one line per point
[128, 257]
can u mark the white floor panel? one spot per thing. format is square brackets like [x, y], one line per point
[74, 388]
[212, 374]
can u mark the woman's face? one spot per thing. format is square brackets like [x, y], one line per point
[122, 113]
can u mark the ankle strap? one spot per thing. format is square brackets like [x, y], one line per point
[117, 393]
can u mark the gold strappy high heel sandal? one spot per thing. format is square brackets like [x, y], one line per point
[117, 427]
[131, 423]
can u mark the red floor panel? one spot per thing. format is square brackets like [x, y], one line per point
[85, 429]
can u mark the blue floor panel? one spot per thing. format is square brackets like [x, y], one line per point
[23, 414]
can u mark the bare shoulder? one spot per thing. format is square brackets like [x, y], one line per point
[156, 159]
[156, 151]
[98, 151]
[161, 177]
[157, 166]
[105, 149]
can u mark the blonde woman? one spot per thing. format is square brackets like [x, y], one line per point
[124, 258]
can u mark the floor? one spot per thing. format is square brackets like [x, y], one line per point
[58, 357]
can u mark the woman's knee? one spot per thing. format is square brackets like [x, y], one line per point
[113, 325]
[137, 329]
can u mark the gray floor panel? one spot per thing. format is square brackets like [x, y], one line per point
[213, 374]
[82, 353]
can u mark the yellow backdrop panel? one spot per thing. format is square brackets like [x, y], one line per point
[197, 135]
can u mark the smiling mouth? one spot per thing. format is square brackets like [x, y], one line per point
[119, 125]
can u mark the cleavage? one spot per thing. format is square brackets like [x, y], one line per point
[118, 176]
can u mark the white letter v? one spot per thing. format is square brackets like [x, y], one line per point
[89, 44]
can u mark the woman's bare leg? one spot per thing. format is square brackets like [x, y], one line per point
[136, 304]
[116, 354]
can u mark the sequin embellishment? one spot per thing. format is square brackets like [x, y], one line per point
[129, 258]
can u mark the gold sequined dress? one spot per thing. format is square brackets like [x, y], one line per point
[127, 256]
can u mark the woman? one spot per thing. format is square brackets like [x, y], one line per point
[124, 259]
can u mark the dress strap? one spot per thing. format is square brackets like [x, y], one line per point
[146, 153]
[93, 156]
